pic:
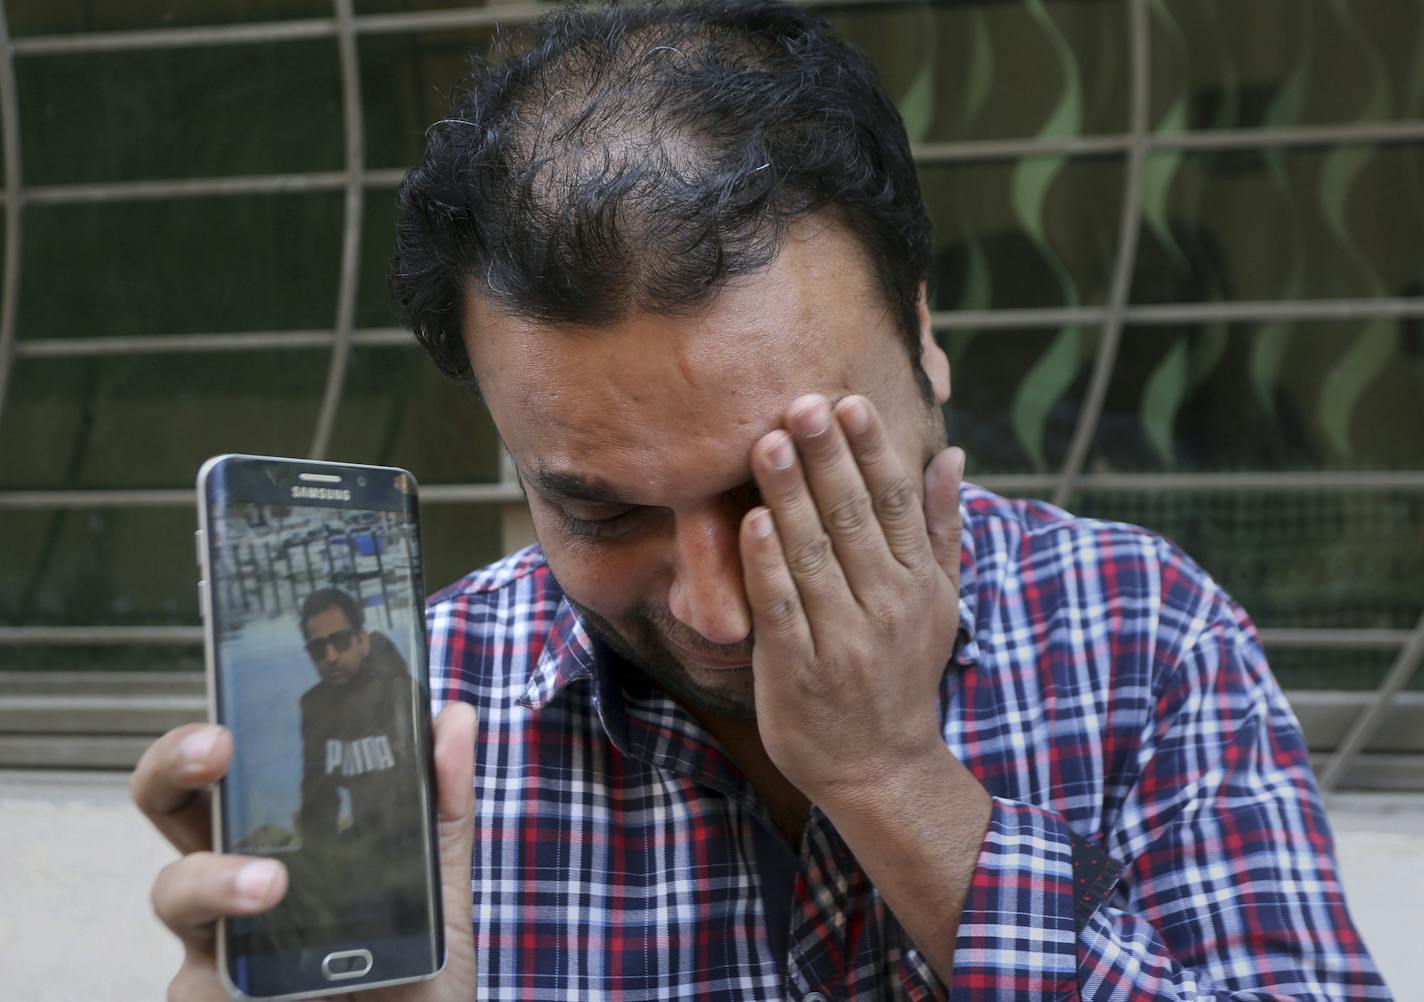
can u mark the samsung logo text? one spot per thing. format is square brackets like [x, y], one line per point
[322, 493]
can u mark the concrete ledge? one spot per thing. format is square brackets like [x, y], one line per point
[90, 714]
[1327, 714]
[72, 751]
[102, 683]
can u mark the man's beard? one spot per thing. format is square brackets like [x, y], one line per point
[642, 646]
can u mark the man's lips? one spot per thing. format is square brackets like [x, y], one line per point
[714, 661]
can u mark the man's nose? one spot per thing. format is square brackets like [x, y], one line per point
[707, 592]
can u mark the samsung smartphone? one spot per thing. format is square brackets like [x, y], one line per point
[315, 634]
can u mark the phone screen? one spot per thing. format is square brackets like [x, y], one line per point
[319, 671]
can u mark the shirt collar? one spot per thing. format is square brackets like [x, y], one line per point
[567, 657]
[570, 655]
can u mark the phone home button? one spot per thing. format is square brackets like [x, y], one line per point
[346, 964]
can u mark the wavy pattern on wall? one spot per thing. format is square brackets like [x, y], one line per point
[1370, 353]
[917, 103]
[1161, 168]
[978, 289]
[1189, 362]
[1046, 382]
[1268, 348]
[1167, 386]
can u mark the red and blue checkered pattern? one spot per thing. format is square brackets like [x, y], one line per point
[1105, 691]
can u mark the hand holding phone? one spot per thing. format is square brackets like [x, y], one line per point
[170, 785]
[314, 631]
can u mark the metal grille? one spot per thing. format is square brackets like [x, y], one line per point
[355, 182]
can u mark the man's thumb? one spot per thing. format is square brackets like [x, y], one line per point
[455, 807]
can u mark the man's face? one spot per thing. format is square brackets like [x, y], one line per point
[633, 443]
[337, 648]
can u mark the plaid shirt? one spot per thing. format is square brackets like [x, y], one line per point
[1156, 830]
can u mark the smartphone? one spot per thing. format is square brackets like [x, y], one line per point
[314, 628]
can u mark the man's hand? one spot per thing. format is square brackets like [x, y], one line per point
[853, 582]
[854, 587]
[170, 785]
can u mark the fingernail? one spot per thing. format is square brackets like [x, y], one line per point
[781, 454]
[255, 879]
[857, 416]
[196, 747]
[761, 524]
[812, 418]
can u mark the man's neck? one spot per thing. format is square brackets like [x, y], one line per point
[787, 805]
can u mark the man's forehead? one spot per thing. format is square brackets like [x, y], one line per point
[664, 404]
[621, 396]
[578, 478]
[331, 616]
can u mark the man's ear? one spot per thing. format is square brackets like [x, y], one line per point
[933, 360]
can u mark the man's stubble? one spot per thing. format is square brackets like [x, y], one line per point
[646, 653]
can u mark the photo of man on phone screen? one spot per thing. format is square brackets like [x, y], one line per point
[356, 725]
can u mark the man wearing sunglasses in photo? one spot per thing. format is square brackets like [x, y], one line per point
[353, 729]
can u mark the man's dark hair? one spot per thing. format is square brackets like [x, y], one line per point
[332, 598]
[634, 157]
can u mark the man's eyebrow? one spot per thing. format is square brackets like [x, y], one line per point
[560, 485]
[557, 485]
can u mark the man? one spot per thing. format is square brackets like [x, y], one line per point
[356, 726]
[358, 739]
[781, 708]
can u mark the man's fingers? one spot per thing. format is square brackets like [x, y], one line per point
[195, 890]
[170, 782]
[778, 618]
[835, 481]
[455, 799]
[892, 492]
[806, 546]
[943, 478]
